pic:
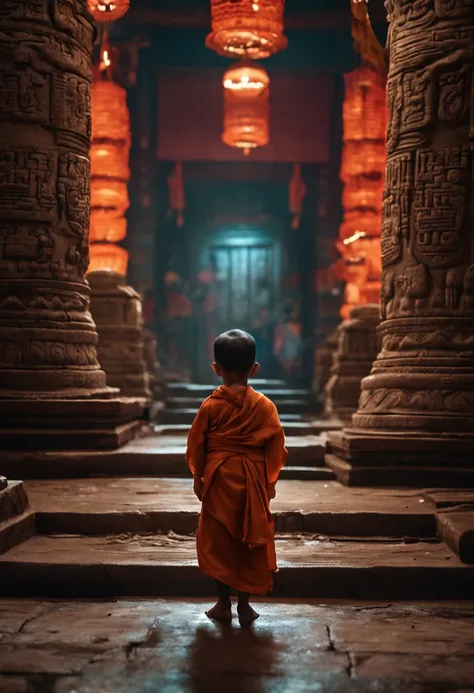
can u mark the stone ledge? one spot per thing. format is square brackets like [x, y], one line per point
[16, 530]
[151, 455]
[76, 413]
[32, 439]
[17, 521]
[456, 528]
[13, 501]
[379, 449]
[411, 476]
[160, 566]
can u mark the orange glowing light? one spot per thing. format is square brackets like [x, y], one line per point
[106, 226]
[110, 173]
[246, 107]
[109, 193]
[109, 160]
[247, 28]
[108, 10]
[108, 256]
[365, 111]
[110, 115]
[362, 172]
[363, 158]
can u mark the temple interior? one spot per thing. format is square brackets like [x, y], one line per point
[303, 171]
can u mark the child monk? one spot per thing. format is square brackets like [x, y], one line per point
[236, 449]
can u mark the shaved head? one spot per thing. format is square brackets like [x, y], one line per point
[234, 351]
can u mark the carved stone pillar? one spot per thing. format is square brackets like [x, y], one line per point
[50, 379]
[352, 361]
[117, 310]
[415, 422]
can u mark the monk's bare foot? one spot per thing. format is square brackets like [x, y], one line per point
[221, 612]
[247, 615]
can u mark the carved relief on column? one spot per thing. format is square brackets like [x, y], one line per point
[48, 339]
[423, 378]
[356, 350]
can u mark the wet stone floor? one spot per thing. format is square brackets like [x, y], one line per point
[169, 646]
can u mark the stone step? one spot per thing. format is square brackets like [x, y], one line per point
[263, 385]
[186, 416]
[73, 566]
[408, 475]
[272, 391]
[152, 455]
[311, 427]
[285, 406]
[120, 505]
[307, 473]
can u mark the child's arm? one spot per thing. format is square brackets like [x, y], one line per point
[196, 449]
[275, 452]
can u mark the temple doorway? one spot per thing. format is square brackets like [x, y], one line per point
[237, 263]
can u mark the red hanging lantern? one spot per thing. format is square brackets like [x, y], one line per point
[108, 256]
[247, 28]
[246, 107]
[106, 226]
[363, 158]
[363, 193]
[110, 194]
[110, 115]
[108, 10]
[362, 171]
[360, 223]
[365, 112]
[110, 173]
[109, 160]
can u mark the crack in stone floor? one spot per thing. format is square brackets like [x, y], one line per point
[168, 645]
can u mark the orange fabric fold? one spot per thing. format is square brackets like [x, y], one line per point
[236, 446]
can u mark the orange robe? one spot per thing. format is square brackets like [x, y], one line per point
[236, 446]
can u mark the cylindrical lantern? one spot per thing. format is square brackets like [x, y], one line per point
[365, 107]
[107, 256]
[109, 193]
[110, 115]
[110, 160]
[363, 193]
[364, 157]
[110, 173]
[360, 223]
[108, 10]
[362, 172]
[247, 28]
[246, 107]
[106, 226]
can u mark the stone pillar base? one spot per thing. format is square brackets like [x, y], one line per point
[78, 424]
[371, 458]
[352, 361]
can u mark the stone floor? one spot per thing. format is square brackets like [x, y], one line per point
[169, 646]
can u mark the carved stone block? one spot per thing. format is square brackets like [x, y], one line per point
[117, 312]
[357, 347]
